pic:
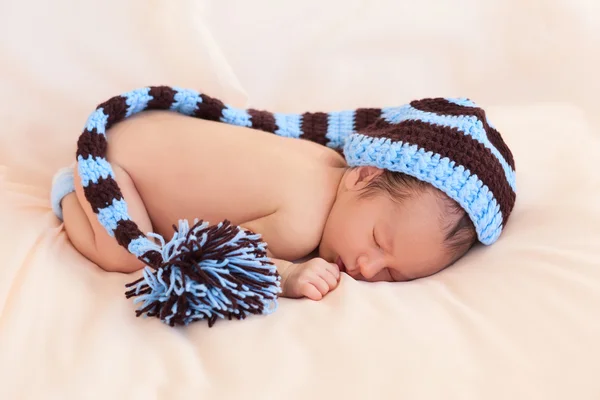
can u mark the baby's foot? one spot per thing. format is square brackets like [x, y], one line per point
[63, 183]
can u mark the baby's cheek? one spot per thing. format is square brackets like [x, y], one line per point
[381, 276]
[335, 232]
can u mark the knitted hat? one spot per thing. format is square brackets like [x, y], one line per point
[450, 144]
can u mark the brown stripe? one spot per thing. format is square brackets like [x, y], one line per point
[152, 257]
[495, 138]
[442, 106]
[314, 127]
[263, 120]
[90, 143]
[102, 194]
[115, 108]
[462, 149]
[364, 117]
[162, 97]
[210, 108]
[126, 231]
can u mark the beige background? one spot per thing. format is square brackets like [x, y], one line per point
[517, 320]
[288, 54]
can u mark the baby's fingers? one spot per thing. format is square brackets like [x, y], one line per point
[310, 290]
[321, 283]
[329, 276]
[334, 270]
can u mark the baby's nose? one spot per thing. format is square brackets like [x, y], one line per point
[369, 266]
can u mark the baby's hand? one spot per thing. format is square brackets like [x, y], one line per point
[313, 279]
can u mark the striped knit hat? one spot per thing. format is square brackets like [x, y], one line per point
[449, 143]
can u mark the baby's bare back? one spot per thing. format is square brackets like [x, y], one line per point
[186, 168]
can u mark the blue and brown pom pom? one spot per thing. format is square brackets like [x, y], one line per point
[207, 273]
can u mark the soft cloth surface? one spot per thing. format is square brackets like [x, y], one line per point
[514, 320]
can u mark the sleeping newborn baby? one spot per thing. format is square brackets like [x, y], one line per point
[416, 187]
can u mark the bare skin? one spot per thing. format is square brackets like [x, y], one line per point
[300, 196]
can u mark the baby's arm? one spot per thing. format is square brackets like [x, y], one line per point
[313, 278]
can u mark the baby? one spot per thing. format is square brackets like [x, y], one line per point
[417, 187]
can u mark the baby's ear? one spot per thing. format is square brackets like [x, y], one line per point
[359, 177]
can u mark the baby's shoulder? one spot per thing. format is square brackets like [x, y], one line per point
[319, 154]
[298, 180]
[307, 199]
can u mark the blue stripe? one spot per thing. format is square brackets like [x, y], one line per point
[109, 216]
[235, 116]
[137, 100]
[186, 101]
[91, 169]
[288, 125]
[453, 179]
[461, 101]
[339, 125]
[468, 103]
[469, 125]
[97, 120]
[141, 245]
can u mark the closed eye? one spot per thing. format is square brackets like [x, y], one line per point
[375, 239]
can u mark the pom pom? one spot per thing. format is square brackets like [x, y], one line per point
[208, 272]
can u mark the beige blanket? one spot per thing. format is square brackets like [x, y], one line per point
[518, 320]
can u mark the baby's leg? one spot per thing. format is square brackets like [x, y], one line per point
[91, 239]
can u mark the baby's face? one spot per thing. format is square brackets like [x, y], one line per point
[378, 239]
